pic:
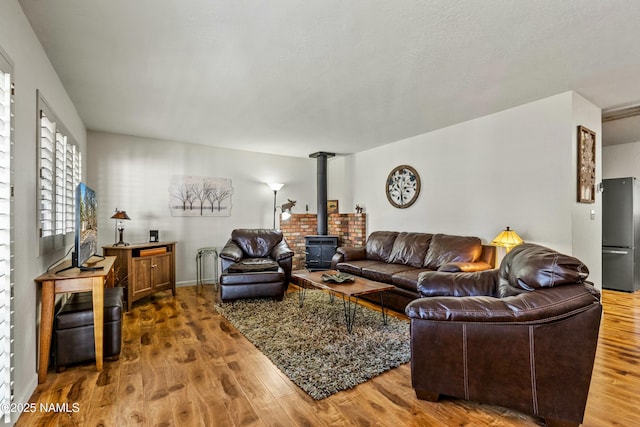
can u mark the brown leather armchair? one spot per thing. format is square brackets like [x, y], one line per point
[523, 336]
[256, 263]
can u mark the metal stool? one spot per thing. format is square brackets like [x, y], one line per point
[202, 252]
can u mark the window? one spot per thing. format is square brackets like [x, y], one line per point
[59, 166]
[6, 237]
[71, 179]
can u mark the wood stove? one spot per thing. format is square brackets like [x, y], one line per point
[319, 251]
[320, 248]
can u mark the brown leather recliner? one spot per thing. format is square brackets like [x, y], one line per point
[523, 336]
[256, 263]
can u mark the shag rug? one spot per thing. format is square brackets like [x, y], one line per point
[311, 345]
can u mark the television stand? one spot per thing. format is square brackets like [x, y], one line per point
[91, 268]
[51, 284]
[85, 267]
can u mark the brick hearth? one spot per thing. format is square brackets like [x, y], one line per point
[351, 229]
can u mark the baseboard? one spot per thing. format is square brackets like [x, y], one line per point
[29, 390]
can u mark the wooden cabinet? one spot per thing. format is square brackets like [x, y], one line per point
[144, 268]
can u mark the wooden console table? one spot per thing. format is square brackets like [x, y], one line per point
[72, 280]
[146, 268]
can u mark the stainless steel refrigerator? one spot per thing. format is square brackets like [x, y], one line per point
[621, 234]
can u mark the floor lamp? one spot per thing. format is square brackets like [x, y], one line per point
[275, 187]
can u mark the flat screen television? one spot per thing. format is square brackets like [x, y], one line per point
[86, 232]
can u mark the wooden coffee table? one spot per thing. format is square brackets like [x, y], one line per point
[350, 292]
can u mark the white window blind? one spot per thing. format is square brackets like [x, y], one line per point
[6, 240]
[47, 165]
[61, 142]
[59, 175]
[71, 179]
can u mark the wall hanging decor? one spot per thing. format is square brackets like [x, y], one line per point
[586, 165]
[332, 207]
[200, 196]
[403, 186]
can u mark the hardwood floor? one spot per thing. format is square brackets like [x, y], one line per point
[182, 364]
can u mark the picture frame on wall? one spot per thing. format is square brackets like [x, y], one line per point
[332, 206]
[586, 165]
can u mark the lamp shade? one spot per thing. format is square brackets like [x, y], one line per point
[507, 238]
[275, 186]
[120, 215]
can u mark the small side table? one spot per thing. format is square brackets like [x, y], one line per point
[73, 280]
[203, 252]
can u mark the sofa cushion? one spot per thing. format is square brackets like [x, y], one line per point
[410, 249]
[253, 264]
[256, 243]
[445, 248]
[408, 279]
[529, 266]
[382, 271]
[466, 267]
[251, 278]
[379, 245]
[355, 267]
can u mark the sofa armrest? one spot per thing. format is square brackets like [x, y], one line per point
[439, 283]
[542, 305]
[335, 259]
[467, 267]
[231, 252]
[352, 254]
[281, 251]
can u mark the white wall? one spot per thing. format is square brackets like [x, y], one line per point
[514, 168]
[32, 71]
[586, 218]
[134, 174]
[620, 161]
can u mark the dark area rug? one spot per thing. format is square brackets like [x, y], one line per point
[311, 345]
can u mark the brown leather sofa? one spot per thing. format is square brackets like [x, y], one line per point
[256, 263]
[399, 258]
[523, 336]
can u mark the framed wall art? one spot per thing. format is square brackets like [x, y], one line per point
[402, 186]
[200, 196]
[586, 165]
[332, 206]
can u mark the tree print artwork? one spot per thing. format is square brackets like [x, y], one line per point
[200, 196]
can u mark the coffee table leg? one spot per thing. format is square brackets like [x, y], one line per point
[383, 310]
[301, 295]
[349, 313]
[331, 297]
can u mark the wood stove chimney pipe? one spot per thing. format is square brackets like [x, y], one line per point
[321, 158]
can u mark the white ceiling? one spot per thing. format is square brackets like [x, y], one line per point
[295, 77]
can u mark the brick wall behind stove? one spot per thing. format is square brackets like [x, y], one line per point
[294, 230]
[350, 228]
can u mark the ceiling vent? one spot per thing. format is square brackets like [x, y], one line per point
[620, 113]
